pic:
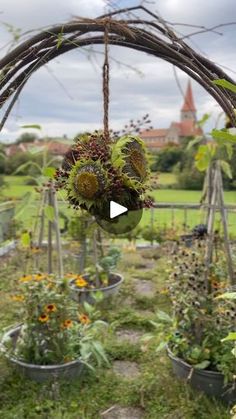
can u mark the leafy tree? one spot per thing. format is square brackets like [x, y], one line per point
[167, 158]
[26, 137]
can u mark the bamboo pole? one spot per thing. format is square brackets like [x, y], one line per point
[58, 235]
[50, 226]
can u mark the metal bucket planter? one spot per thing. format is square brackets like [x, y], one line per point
[41, 373]
[82, 295]
[209, 382]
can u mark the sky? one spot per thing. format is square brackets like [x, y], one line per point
[66, 97]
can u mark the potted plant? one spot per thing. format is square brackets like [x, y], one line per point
[198, 323]
[99, 279]
[55, 339]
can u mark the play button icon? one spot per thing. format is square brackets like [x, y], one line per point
[119, 219]
[116, 209]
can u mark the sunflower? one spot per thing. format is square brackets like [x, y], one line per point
[25, 278]
[67, 324]
[50, 308]
[87, 181]
[81, 282]
[129, 155]
[84, 319]
[43, 318]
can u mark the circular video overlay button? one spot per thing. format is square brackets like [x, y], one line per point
[121, 219]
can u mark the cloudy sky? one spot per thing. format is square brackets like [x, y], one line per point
[66, 97]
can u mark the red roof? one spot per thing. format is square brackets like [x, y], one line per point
[188, 100]
[154, 133]
[187, 128]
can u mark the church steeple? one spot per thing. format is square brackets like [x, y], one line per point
[188, 110]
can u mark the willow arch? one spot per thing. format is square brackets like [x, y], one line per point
[148, 34]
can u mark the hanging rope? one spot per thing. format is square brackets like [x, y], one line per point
[106, 85]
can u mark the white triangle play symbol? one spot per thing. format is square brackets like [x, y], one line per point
[116, 209]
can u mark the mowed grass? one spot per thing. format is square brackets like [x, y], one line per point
[16, 189]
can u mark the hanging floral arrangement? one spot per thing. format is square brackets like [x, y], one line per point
[96, 170]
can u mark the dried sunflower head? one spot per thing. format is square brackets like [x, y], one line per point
[129, 155]
[87, 181]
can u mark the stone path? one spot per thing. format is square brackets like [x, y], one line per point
[126, 369]
[144, 287]
[118, 412]
[129, 335]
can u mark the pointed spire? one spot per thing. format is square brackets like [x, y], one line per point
[188, 100]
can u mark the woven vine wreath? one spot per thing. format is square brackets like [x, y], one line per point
[96, 171]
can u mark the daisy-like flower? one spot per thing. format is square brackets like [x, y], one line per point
[67, 324]
[25, 278]
[81, 282]
[39, 277]
[50, 308]
[43, 318]
[18, 298]
[84, 319]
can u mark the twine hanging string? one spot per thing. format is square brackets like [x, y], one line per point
[106, 85]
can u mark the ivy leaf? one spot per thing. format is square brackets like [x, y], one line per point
[49, 212]
[202, 365]
[49, 172]
[226, 168]
[226, 84]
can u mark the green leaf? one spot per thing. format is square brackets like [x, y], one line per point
[227, 296]
[223, 135]
[164, 317]
[202, 365]
[231, 336]
[161, 346]
[49, 212]
[205, 118]
[191, 143]
[226, 84]
[25, 239]
[49, 172]
[226, 168]
[26, 200]
[34, 126]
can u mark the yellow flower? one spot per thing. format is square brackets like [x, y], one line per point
[39, 277]
[18, 298]
[25, 278]
[67, 323]
[164, 291]
[80, 282]
[50, 308]
[43, 318]
[84, 319]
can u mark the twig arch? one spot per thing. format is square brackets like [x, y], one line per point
[150, 35]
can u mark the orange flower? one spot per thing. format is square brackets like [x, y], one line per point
[70, 275]
[50, 308]
[80, 282]
[43, 318]
[67, 323]
[18, 298]
[25, 278]
[84, 319]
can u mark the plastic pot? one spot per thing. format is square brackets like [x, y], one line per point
[41, 373]
[82, 295]
[209, 382]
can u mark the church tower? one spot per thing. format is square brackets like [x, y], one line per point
[188, 110]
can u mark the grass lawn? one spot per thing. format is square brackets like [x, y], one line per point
[16, 189]
[155, 392]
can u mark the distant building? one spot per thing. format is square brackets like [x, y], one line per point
[55, 147]
[156, 139]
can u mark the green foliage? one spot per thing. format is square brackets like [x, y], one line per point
[167, 158]
[152, 234]
[226, 84]
[26, 137]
